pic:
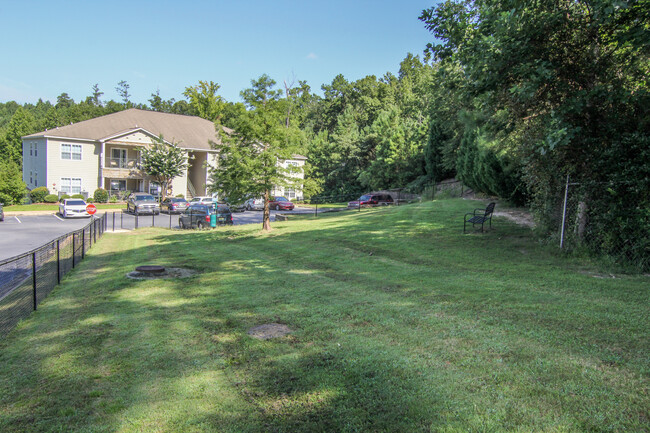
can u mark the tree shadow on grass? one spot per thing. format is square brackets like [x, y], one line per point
[105, 353]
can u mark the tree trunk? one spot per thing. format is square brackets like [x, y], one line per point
[266, 220]
[581, 220]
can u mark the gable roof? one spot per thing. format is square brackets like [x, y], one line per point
[189, 132]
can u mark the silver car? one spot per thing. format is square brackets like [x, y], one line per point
[140, 202]
[254, 204]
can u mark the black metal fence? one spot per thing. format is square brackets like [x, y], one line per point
[26, 280]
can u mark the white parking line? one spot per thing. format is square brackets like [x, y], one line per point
[57, 217]
[18, 220]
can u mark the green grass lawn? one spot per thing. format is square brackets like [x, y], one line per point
[55, 207]
[401, 323]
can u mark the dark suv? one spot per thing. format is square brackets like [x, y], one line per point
[198, 215]
[371, 200]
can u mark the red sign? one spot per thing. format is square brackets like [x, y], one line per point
[91, 209]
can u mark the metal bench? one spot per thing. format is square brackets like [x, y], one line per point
[479, 216]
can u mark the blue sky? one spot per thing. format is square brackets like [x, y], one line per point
[50, 47]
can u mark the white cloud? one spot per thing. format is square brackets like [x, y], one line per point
[312, 56]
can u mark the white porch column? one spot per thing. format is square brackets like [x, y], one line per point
[101, 165]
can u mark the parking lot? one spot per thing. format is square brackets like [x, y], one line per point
[22, 233]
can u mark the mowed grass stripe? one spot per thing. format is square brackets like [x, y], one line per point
[401, 324]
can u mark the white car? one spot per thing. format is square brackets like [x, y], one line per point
[202, 200]
[254, 204]
[73, 207]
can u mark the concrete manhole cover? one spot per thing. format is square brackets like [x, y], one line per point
[147, 274]
[269, 330]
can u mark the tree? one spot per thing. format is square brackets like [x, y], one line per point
[204, 100]
[159, 104]
[11, 145]
[96, 95]
[249, 156]
[122, 89]
[64, 101]
[12, 187]
[163, 161]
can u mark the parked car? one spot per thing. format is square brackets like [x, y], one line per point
[140, 202]
[203, 200]
[371, 200]
[173, 205]
[280, 203]
[2, 213]
[254, 204]
[198, 215]
[234, 207]
[73, 207]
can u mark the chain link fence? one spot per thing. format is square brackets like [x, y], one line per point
[591, 218]
[27, 279]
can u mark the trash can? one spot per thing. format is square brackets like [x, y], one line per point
[213, 220]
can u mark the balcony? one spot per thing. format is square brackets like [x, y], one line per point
[123, 163]
[122, 168]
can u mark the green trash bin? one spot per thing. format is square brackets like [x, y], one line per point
[213, 220]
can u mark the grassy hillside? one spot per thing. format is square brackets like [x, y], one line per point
[401, 323]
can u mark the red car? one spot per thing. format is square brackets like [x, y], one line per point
[280, 203]
[371, 200]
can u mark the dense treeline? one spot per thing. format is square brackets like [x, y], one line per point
[515, 97]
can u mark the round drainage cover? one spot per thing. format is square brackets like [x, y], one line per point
[150, 269]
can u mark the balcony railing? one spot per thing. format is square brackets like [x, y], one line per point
[122, 163]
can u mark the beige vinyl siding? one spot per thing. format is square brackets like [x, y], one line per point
[87, 168]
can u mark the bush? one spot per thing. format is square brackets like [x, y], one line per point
[63, 197]
[38, 194]
[100, 195]
[180, 196]
[51, 198]
[112, 199]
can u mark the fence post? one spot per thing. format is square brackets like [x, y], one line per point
[58, 263]
[83, 243]
[95, 232]
[170, 219]
[153, 217]
[73, 250]
[316, 209]
[136, 218]
[122, 219]
[566, 193]
[34, 277]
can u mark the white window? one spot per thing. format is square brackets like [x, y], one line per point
[31, 178]
[35, 149]
[31, 149]
[35, 178]
[292, 163]
[71, 185]
[71, 151]
[290, 193]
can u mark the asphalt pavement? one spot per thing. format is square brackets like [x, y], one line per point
[24, 232]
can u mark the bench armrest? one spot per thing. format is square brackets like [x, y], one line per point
[468, 214]
[481, 211]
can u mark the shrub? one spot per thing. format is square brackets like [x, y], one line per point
[100, 195]
[81, 196]
[38, 194]
[180, 196]
[51, 198]
[63, 197]
[112, 199]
